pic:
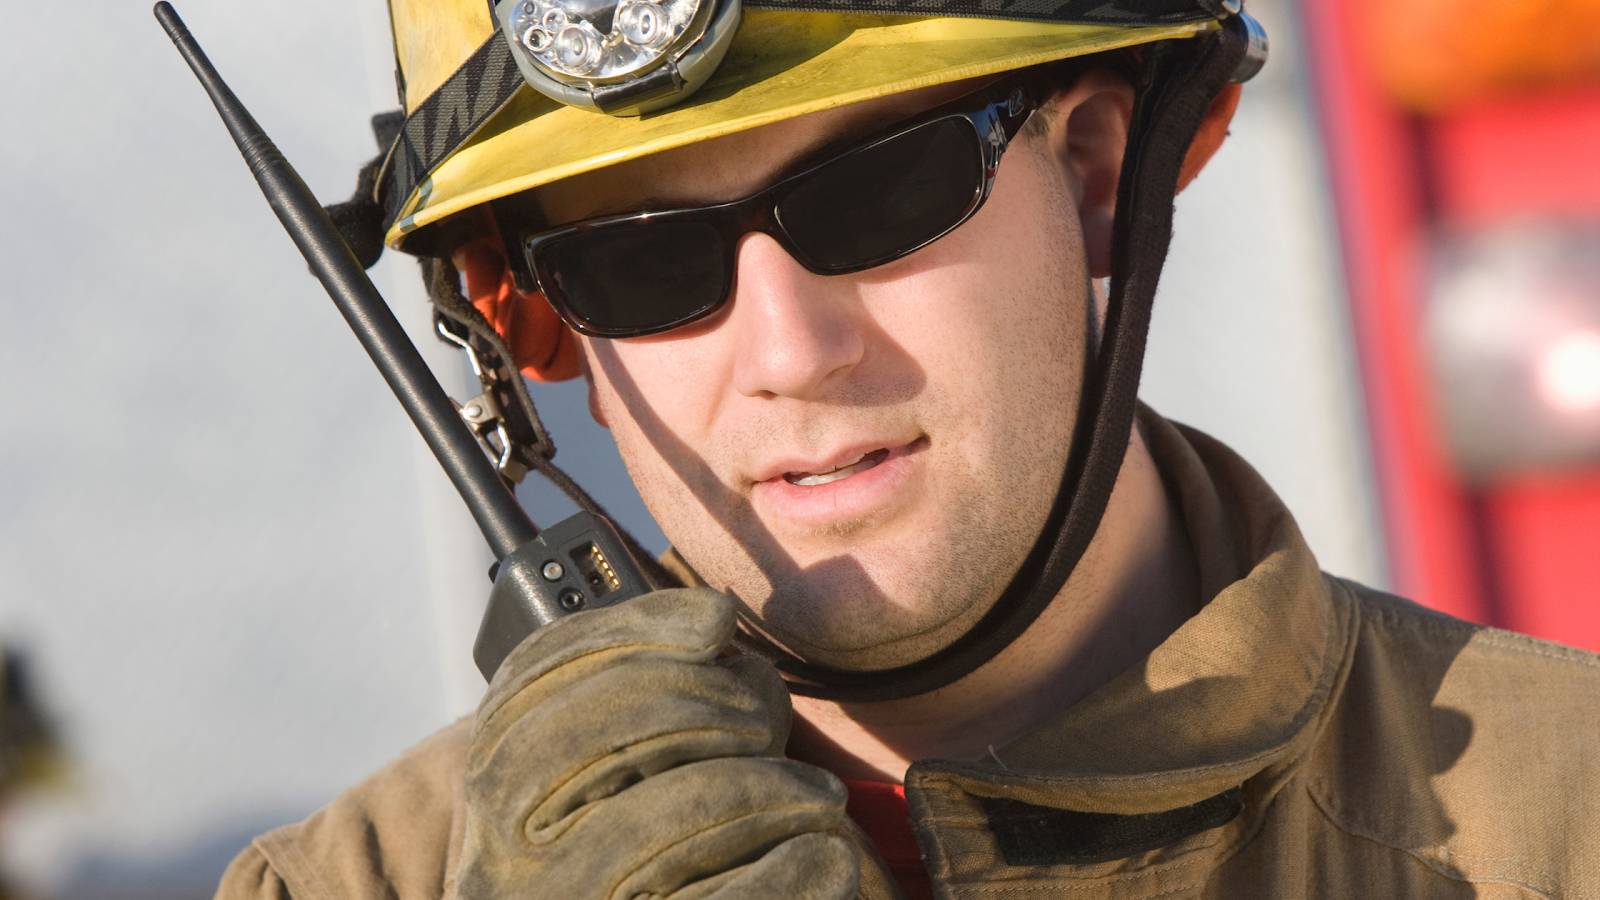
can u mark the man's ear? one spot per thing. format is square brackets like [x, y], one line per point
[1088, 134]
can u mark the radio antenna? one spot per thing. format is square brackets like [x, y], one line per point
[501, 519]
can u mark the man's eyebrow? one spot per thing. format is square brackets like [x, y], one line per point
[852, 130]
[648, 203]
[797, 160]
[861, 122]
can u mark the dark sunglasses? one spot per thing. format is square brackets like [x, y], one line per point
[642, 273]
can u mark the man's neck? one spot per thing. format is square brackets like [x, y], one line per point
[1135, 585]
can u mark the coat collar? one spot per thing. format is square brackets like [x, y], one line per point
[1229, 699]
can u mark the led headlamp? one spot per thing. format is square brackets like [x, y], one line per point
[622, 57]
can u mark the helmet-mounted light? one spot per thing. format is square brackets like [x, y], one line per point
[622, 57]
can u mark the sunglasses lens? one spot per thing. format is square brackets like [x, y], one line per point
[646, 274]
[883, 201]
[637, 278]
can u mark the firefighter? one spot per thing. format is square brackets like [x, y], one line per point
[951, 613]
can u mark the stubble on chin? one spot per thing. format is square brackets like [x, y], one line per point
[910, 587]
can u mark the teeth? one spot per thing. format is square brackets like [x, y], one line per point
[842, 466]
[825, 478]
[860, 464]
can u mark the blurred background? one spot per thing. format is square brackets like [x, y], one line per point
[232, 583]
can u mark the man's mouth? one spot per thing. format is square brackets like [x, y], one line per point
[860, 464]
[831, 488]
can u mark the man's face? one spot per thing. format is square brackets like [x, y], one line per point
[944, 384]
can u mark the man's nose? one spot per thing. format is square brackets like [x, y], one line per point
[798, 333]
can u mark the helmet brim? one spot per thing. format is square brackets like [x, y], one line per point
[781, 65]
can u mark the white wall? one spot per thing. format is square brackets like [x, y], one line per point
[1251, 339]
[211, 535]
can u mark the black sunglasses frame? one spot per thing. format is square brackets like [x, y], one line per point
[995, 113]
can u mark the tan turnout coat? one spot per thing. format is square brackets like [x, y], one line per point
[1301, 736]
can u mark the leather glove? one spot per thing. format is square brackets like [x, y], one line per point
[615, 755]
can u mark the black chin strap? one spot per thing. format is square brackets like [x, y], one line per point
[1179, 82]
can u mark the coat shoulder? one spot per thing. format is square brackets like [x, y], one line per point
[1418, 625]
[394, 835]
[1471, 750]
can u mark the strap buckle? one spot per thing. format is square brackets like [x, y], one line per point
[483, 413]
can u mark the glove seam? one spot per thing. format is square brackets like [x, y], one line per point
[579, 774]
